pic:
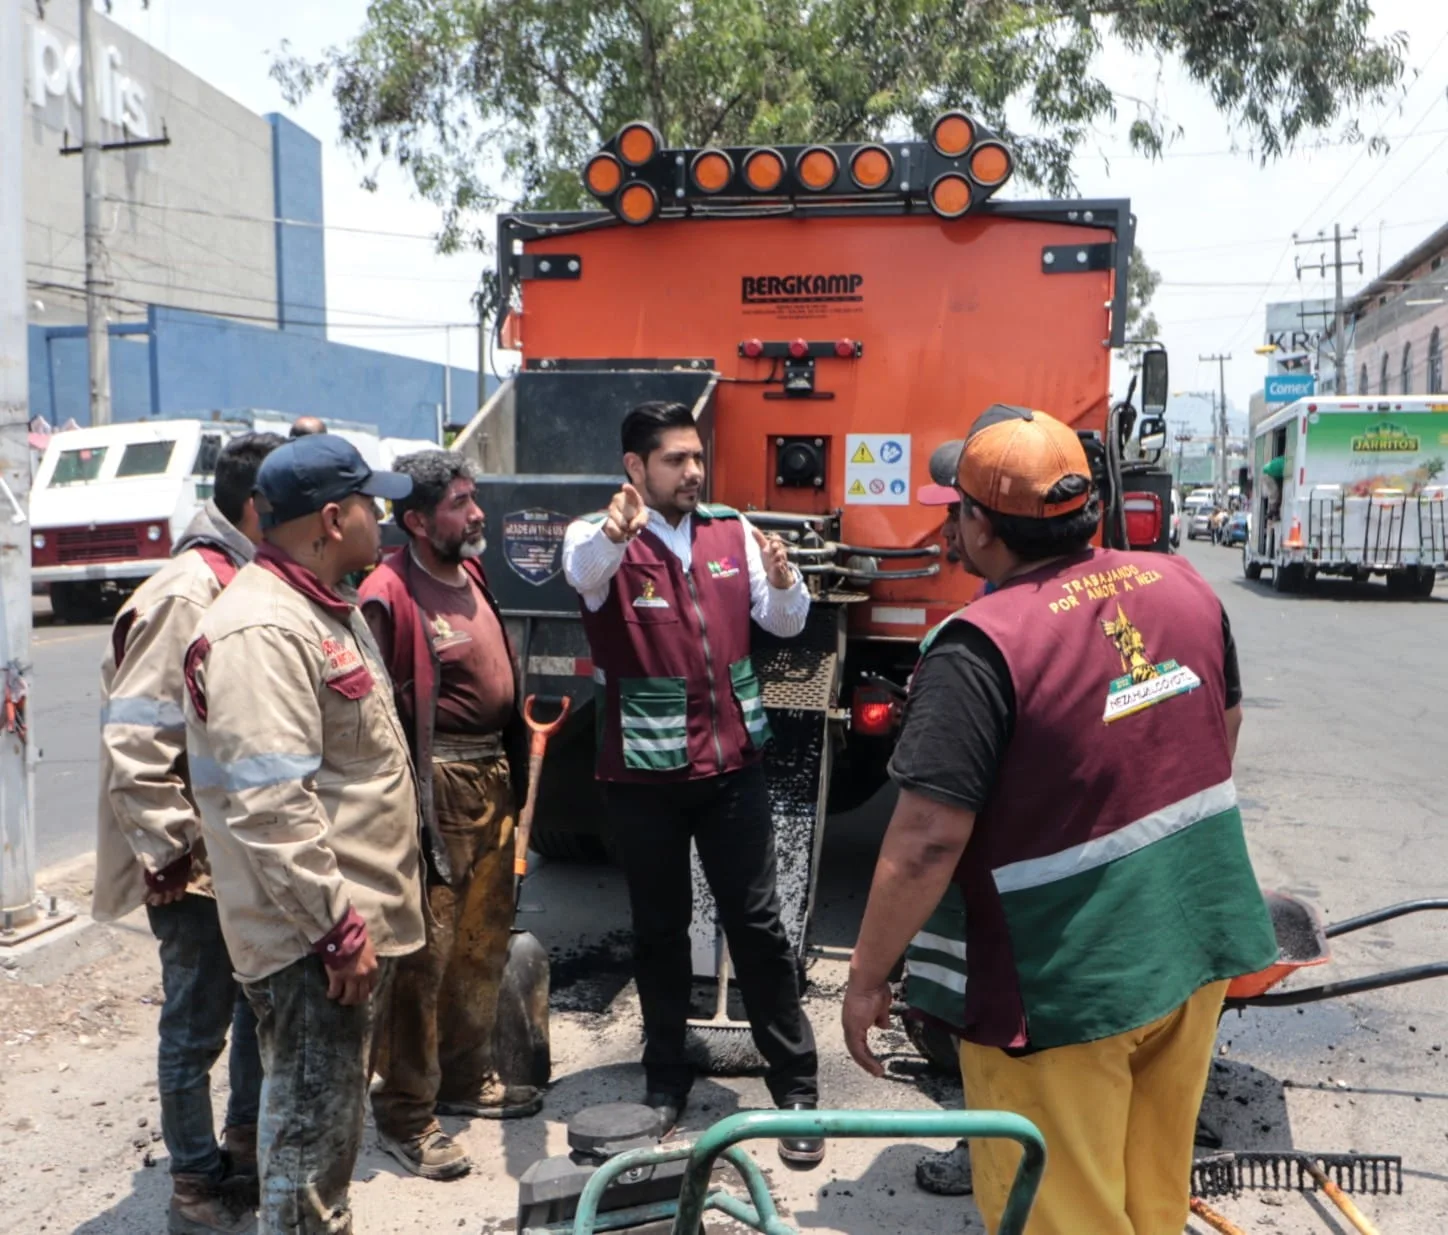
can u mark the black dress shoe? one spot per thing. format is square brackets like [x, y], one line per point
[801, 1152]
[669, 1107]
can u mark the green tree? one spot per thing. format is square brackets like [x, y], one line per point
[480, 101]
[1141, 284]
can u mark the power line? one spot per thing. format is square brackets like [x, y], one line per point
[273, 220]
[392, 327]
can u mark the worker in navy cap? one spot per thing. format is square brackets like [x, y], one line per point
[309, 812]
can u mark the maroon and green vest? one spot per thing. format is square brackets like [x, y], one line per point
[1107, 878]
[675, 693]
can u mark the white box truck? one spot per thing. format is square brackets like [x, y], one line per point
[1351, 486]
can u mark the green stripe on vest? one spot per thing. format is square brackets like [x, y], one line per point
[1106, 947]
[935, 962]
[751, 702]
[653, 723]
[714, 510]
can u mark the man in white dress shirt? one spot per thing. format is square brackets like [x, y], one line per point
[669, 586]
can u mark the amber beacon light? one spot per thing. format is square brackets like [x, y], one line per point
[951, 174]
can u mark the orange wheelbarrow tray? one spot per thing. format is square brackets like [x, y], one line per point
[1302, 941]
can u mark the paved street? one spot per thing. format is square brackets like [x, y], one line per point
[1341, 784]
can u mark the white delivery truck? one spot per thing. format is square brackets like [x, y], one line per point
[108, 503]
[1350, 486]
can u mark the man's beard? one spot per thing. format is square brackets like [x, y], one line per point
[455, 552]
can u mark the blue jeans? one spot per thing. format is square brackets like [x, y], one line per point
[203, 1001]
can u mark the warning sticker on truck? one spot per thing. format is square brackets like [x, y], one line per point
[877, 469]
[533, 544]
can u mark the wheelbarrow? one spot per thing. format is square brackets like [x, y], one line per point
[697, 1194]
[1303, 942]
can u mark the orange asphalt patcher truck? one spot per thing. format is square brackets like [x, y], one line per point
[832, 313]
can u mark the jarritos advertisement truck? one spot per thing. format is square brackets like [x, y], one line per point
[1353, 487]
[832, 315]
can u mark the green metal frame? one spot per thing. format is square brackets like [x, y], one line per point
[759, 1212]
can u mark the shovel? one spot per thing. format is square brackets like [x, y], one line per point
[539, 733]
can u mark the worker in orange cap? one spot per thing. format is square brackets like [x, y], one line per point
[1109, 896]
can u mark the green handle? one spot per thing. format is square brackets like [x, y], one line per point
[954, 1125]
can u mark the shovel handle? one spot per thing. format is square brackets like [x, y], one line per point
[1213, 1219]
[537, 748]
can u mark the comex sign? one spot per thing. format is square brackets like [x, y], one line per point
[1289, 387]
[55, 73]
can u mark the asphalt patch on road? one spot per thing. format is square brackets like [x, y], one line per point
[588, 979]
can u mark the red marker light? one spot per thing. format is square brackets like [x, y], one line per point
[845, 348]
[753, 348]
[873, 718]
[799, 349]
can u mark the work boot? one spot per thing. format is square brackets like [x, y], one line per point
[496, 1101]
[239, 1148]
[432, 1154]
[801, 1152]
[948, 1173]
[201, 1207]
[668, 1107]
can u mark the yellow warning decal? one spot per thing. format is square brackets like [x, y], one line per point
[857, 489]
[862, 455]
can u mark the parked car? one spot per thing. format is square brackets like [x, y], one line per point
[1235, 531]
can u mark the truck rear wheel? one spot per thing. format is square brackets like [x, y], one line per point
[564, 846]
[1284, 578]
[1427, 577]
[1252, 569]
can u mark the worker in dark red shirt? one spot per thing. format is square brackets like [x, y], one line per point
[442, 637]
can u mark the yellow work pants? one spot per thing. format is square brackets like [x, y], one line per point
[1118, 1115]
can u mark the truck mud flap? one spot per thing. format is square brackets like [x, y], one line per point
[800, 681]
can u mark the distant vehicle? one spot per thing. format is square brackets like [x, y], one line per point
[1235, 531]
[1351, 486]
[1197, 510]
[108, 503]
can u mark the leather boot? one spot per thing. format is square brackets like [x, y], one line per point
[241, 1182]
[201, 1207]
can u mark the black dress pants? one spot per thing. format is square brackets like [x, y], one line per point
[728, 818]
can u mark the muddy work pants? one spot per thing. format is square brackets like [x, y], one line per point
[315, 1054]
[436, 1037]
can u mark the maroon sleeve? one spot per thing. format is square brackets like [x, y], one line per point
[379, 620]
[195, 654]
[340, 944]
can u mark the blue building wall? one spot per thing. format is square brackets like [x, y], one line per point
[301, 250]
[183, 362]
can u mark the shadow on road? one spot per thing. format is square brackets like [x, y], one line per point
[1340, 591]
[141, 1212]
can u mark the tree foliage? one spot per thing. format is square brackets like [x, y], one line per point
[1141, 284]
[487, 101]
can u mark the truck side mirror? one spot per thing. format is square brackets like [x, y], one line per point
[1155, 384]
[1152, 435]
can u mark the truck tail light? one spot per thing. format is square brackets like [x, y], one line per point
[873, 712]
[990, 164]
[871, 167]
[1143, 519]
[764, 170]
[603, 175]
[952, 134]
[638, 203]
[950, 195]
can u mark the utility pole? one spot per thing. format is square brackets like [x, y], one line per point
[1339, 327]
[97, 286]
[1219, 472]
[17, 815]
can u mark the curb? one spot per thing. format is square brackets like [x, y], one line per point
[83, 941]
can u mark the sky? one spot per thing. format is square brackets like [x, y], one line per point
[1215, 222]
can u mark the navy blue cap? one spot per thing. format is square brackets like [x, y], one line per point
[308, 472]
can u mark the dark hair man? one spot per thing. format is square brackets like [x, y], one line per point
[668, 587]
[442, 638]
[309, 811]
[1108, 891]
[149, 850]
[306, 426]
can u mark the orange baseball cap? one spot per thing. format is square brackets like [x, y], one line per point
[1014, 457]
